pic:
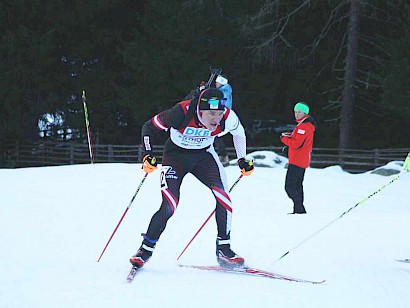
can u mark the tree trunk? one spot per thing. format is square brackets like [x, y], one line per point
[348, 96]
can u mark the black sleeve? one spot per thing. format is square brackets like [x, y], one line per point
[163, 121]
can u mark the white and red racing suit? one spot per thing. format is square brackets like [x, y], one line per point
[189, 149]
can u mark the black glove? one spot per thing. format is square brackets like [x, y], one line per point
[246, 166]
[149, 163]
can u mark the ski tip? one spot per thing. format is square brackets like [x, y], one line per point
[132, 274]
[403, 260]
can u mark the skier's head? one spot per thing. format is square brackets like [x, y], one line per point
[220, 81]
[211, 108]
[301, 109]
[211, 99]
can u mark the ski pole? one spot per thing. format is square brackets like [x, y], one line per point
[123, 215]
[87, 126]
[344, 213]
[206, 221]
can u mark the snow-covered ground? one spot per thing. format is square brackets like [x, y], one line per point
[55, 221]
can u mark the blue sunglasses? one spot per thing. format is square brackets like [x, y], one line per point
[214, 101]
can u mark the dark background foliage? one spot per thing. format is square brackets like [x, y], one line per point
[136, 58]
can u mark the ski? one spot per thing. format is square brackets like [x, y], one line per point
[249, 271]
[404, 260]
[134, 270]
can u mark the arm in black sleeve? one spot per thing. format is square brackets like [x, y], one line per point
[163, 121]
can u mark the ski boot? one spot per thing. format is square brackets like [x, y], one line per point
[225, 256]
[144, 253]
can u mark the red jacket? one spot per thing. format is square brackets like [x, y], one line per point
[300, 142]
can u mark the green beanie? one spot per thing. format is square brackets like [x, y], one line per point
[302, 107]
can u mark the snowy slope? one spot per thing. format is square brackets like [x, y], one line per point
[55, 221]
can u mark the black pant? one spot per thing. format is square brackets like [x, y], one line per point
[220, 146]
[294, 187]
[206, 167]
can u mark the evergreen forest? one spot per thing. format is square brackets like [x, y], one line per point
[348, 59]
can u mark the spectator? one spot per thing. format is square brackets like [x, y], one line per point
[221, 83]
[300, 143]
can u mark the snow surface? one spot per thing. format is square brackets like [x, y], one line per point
[55, 221]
